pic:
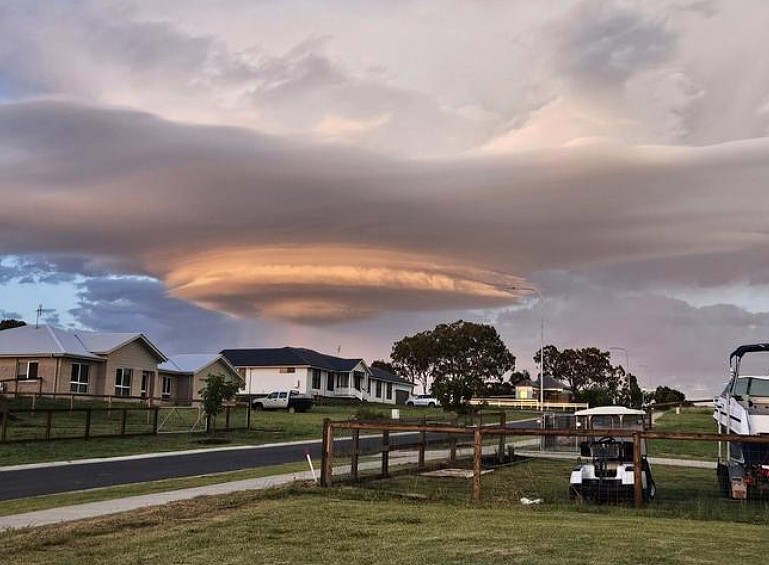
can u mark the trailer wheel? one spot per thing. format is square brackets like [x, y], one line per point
[722, 472]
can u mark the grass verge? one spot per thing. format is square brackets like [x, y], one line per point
[304, 524]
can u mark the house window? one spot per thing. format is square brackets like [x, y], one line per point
[316, 379]
[288, 370]
[123, 382]
[378, 389]
[78, 380]
[166, 388]
[28, 371]
[389, 391]
[343, 380]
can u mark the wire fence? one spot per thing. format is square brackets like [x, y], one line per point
[678, 473]
[50, 424]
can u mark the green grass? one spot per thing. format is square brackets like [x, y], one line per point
[342, 525]
[266, 427]
[689, 420]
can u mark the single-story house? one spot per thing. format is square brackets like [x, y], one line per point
[388, 388]
[189, 372]
[266, 369]
[555, 390]
[48, 360]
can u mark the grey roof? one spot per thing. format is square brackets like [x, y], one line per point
[288, 356]
[47, 340]
[551, 383]
[382, 375]
[192, 362]
[43, 340]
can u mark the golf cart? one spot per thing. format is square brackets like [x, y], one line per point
[604, 471]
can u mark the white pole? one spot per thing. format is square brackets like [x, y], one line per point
[312, 469]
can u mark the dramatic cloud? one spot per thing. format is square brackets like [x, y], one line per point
[249, 224]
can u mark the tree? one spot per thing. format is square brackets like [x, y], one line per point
[461, 358]
[413, 357]
[11, 323]
[666, 395]
[591, 376]
[579, 368]
[218, 389]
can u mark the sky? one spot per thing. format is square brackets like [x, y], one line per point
[337, 175]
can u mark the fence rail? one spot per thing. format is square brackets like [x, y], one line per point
[474, 435]
[50, 424]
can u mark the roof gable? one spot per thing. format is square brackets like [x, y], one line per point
[48, 340]
[193, 362]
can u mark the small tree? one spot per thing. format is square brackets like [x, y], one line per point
[218, 389]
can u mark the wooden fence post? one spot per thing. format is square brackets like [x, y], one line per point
[453, 442]
[248, 413]
[226, 418]
[49, 417]
[327, 458]
[422, 444]
[123, 419]
[503, 437]
[4, 433]
[385, 449]
[355, 454]
[156, 411]
[637, 471]
[477, 455]
[87, 423]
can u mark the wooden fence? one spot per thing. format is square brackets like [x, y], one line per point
[85, 423]
[477, 433]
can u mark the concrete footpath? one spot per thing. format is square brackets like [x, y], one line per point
[106, 507]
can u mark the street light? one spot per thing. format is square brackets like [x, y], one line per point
[513, 288]
[649, 378]
[627, 357]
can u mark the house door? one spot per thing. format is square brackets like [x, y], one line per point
[330, 381]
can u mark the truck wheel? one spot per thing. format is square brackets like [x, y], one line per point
[291, 409]
[258, 406]
[431, 405]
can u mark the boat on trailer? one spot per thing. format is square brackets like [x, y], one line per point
[742, 408]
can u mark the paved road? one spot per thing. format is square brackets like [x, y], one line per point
[27, 481]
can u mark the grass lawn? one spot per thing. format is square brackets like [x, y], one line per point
[689, 420]
[343, 525]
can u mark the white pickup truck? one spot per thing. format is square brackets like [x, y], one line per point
[291, 400]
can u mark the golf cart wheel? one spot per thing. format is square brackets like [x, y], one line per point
[291, 409]
[651, 493]
[575, 493]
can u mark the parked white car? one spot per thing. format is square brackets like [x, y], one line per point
[427, 400]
